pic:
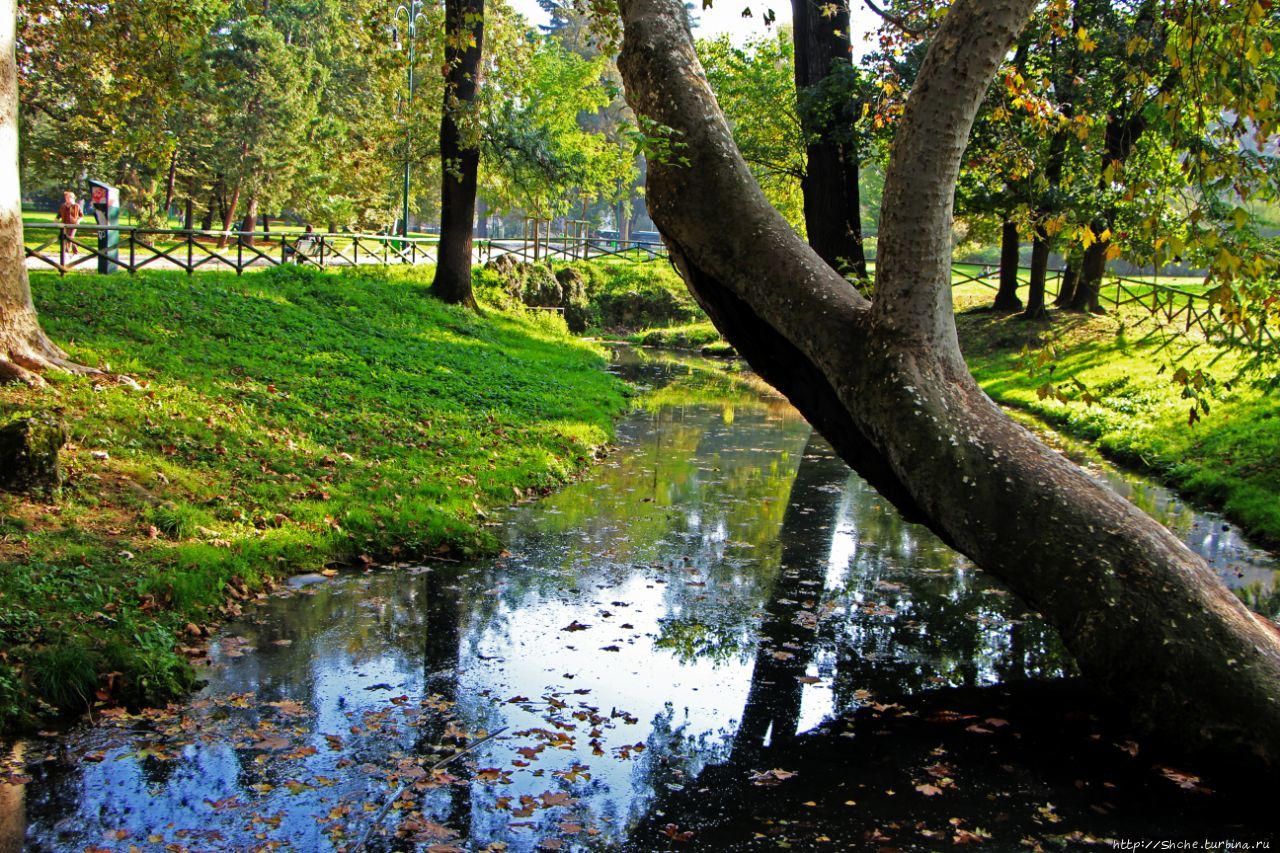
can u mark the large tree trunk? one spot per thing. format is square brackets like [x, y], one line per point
[832, 206]
[886, 383]
[1007, 296]
[25, 351]
[464, 39]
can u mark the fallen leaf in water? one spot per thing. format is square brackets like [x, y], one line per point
[610, 649]
[289, 707]
[575, 625]
[555, 798]
[964, 836]
[272, 742]
[808, 679]
[1183, 780]
[673, 832]
[771, 777]
[929, 790]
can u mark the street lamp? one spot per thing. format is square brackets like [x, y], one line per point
[412, 10]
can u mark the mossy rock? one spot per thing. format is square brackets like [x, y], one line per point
[574, 299]
[29, 454]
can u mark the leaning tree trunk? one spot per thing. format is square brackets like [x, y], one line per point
[832, 206]
[1007, 295]
[464, 38]
[25, 350]
[886, 383]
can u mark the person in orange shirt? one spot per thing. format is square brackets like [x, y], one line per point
[70, 213]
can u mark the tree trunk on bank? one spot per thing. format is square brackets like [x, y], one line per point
[25, 350]
[464, 39]
[1089, 284]
[250, 223]
[832, 206]
[1067, 285]
[1120, 136]
[1007, 296]
[1035, 309]
[886, 383]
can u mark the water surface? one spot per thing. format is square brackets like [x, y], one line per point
[717, 597]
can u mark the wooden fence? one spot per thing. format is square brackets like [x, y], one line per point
[138, 248]
[1182, 308]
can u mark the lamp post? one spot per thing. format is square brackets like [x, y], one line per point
[412, 11]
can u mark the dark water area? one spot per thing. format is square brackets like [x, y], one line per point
[719, 639]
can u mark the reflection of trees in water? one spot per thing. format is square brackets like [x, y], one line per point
[788, 641]
[789, 631]
[921, 616]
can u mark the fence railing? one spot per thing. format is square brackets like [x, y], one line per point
[137, 248]
[1168, 304]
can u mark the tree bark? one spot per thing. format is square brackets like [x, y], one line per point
[1007, 296]
[25, 350]
[886, 383]
[832, 206]
[464, 39]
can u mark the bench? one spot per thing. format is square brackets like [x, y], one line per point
[303, 248]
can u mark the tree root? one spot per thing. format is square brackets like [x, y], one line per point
[26, 362]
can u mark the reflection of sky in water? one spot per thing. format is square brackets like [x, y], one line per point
[737, 585]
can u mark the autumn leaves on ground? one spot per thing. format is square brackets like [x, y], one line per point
[286, 420]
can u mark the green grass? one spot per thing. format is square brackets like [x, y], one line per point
[287, 420]
[687, 336]
[1128, 403]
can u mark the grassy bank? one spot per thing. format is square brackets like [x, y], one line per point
[287, 420]
[1119, 378]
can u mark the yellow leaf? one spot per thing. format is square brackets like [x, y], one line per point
[1087, 237]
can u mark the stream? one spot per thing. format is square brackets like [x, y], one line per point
[720, 638]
